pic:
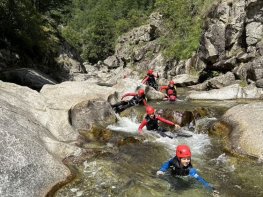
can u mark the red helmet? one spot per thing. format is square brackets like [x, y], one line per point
[169, 92]
[141, 92]
[171, 82]
[150, 72]
[150, 110]
[183, 151]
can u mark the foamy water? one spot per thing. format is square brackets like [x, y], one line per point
[198, 142]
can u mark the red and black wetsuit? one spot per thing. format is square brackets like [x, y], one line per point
[152, 123]
[166, 88]
[136, 100]
[150, 81]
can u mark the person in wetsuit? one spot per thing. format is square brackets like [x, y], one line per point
[150, 79]
[170, 86]
[137, 99]
[170, 96]
[181, 165]
[151, 122]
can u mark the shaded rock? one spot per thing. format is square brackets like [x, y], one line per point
[256, 69]
[69, 61]
[254, 32]
[245, 57]
[87, 114]
[113, 62]
[225, 65]
[259, 83]
[216, 82]
[27, 77]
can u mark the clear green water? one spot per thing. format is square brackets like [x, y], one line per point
[129, 170]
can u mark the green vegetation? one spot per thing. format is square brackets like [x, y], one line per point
[93, 26]
[184, 22]
[96, 24]
[25, 28]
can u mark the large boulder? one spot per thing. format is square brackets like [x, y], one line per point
[246, 121]
[185, 80]
[27, 166]
[27, 77]
[229, 92]
[31, 152]
[216, 82]
[88, 114]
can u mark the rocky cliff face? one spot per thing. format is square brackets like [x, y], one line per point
[25, 69]
[232, 39]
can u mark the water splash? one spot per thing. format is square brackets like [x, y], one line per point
[197, 143]
[125, 124]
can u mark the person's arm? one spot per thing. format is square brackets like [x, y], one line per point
[146, 79]
[165, 121]
[144, 102]
[144, 122]
[193, 173]
[128, 94]
[164, 167]
[163, 88]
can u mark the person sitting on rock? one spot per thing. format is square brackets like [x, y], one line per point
[150, 79]
[181, 165]
[138, 99]
[170, 86]
[170, 96]
[151, 122]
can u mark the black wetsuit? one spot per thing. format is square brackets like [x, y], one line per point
[152, 82]
[121, 106]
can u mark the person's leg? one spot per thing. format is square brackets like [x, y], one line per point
[161, 129]
[119, 103]
[118, 106]
[122, 107]
[162, 133]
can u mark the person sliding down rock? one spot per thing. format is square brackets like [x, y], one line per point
[151, 122]
[150, 79]
[181, 165]
[138, 99]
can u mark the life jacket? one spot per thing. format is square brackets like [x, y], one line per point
[178, 170]
[137, 100]
[151, 81]
[171, 88]
[152, 123]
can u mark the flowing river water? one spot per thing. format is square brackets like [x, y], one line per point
[129, 169]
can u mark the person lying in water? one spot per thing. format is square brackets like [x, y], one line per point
[181, 165]
[138, 99]
[151, 122]
[171, 96]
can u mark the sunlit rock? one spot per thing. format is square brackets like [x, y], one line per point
[246, 121]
